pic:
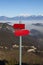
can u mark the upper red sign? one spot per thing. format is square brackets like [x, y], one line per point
[21, 32]
[19, 26]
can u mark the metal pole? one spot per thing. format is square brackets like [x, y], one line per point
[20, 51]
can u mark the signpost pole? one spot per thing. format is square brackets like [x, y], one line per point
[20, 51]
[20, 33]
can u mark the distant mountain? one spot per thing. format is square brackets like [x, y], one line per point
[38, 24]
[32, 17]
[36, 33]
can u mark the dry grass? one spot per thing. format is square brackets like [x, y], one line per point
[13, 57]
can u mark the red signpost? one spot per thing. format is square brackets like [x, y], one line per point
[19, 26]
[20, 31]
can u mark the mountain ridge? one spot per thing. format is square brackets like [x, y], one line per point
[32, 17]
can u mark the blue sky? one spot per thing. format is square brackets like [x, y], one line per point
[13, 8]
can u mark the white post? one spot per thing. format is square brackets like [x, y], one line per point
[20, 60]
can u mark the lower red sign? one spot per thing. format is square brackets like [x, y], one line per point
[21, 32]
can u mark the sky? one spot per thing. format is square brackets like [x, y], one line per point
[11, 8]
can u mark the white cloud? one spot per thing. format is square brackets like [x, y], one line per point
[24, 15]
[39, 14]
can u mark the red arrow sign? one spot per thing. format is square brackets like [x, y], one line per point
[19, 26]
[21, 32]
